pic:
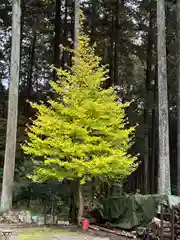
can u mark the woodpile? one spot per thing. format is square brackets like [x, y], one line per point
[114, 232]
[168, 227]
[154, 231]
[176, 214]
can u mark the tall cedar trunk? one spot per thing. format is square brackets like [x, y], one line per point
[164, 183]
[92, 39]
[93, 21]
[111, 54]
[76, 23]
[105, 43]
[116, 39]
[178, 98]
[31, 64]
[76, 35]
[31, 60]
[153, 135]
[23, 11]
[57, 38]
[10, 151]
[146, 114]
[71, 32]
[65, 35]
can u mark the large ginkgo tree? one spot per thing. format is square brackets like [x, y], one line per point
[83, 131]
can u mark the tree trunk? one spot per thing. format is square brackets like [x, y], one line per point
[76, 22]
[76, 36]
[65, 35]
[116, 40]
[73, 202]
[10, 151]
[81, 204]
[31, 64]
[154, 135]
[23, 11]
[31, 59]
[93, 190]
[146, 109]
[178, 98]
[93, 21]
[106, 190]
[164, 183]
[111, 54]
[29, 197]
[57, 38]
[54, 210]
[45, 212]
[71, 30]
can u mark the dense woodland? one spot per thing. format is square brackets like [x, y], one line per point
[125, 36]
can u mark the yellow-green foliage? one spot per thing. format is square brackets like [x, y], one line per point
[82, 132]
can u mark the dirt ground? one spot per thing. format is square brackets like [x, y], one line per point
[40, 233]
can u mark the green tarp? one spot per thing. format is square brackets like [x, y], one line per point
[127, 212]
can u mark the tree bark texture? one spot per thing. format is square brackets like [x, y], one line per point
[65, 57]
[30, 68]
[154, 141]
[178, 98]
[81, 203]
[57, 38]
[164, 183]
[146, 109]
[76, 22]
[76, 36]
[116, 41]
[93, 20]
[10, 150]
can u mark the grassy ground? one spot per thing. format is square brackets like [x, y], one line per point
[43, 233]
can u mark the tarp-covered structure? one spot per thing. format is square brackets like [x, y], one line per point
[130, 211]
